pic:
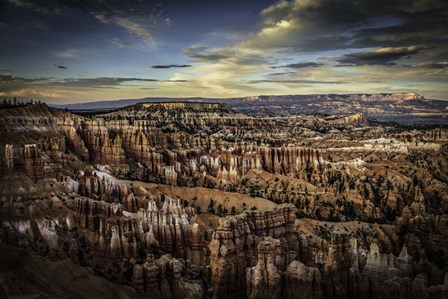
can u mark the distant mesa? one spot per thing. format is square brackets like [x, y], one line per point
[393, 97]
[185, 105]
[396, 107]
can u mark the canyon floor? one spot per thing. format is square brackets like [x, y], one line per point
[199, 200]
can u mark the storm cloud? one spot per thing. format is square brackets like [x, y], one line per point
[383, 56]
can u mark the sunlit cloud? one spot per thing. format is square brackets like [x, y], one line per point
[129, 48]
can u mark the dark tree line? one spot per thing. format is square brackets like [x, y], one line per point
[14, 103]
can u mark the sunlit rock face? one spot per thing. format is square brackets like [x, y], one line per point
[195, 200]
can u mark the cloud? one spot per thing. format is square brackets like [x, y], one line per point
[433, 64]
[341, 34]
[59, 66]
[294, 81]
[98, 82]
[93, 7]
[383, 56]
[319, 25]
[120, 43]
[300, 65]
[280, 74]
[36, 25]
[316, 29]
[204, 54]
[69, 53]
[306, 26]
[169, 66]
[139, 18]
[136, 28]
[55, 89]
[12, 85]
[238, 56]
[168, 22]
[12, 79]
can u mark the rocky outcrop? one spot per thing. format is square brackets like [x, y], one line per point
[100, 191]
[234, 246]
[120, 234]
[9, 158]
[357, 119]
[162, 278]
[302, 280]
[437, 134]
[263, 280]
[31, 161]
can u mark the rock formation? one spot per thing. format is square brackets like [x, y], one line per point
[182, 200]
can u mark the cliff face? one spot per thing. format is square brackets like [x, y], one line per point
[357, 119]
[279, 262]
[198, 201]
[174, 157]
[116, 233]
[235, 244]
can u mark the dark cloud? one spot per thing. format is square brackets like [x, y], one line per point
[280, 74]
[344, 65]
[139, 18]
[177, 81]
[303, 65]
[169, 66]
[99, 82]
[204, 54]
[383, 56]
[12, 79]
[59, 66]
[434, 64]
[10, 84]
[326, 24]
[36, 25]
[232, 55]
[300, 65]
[105, 8]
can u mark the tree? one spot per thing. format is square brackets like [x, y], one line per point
[233, 210]
[219, 210]
[211, 207]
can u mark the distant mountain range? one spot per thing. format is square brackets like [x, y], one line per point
[399, 107]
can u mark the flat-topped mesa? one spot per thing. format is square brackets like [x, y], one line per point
[406, 96]
[186, 105]
[394, 97]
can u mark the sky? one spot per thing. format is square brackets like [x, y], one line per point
[72, 51]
